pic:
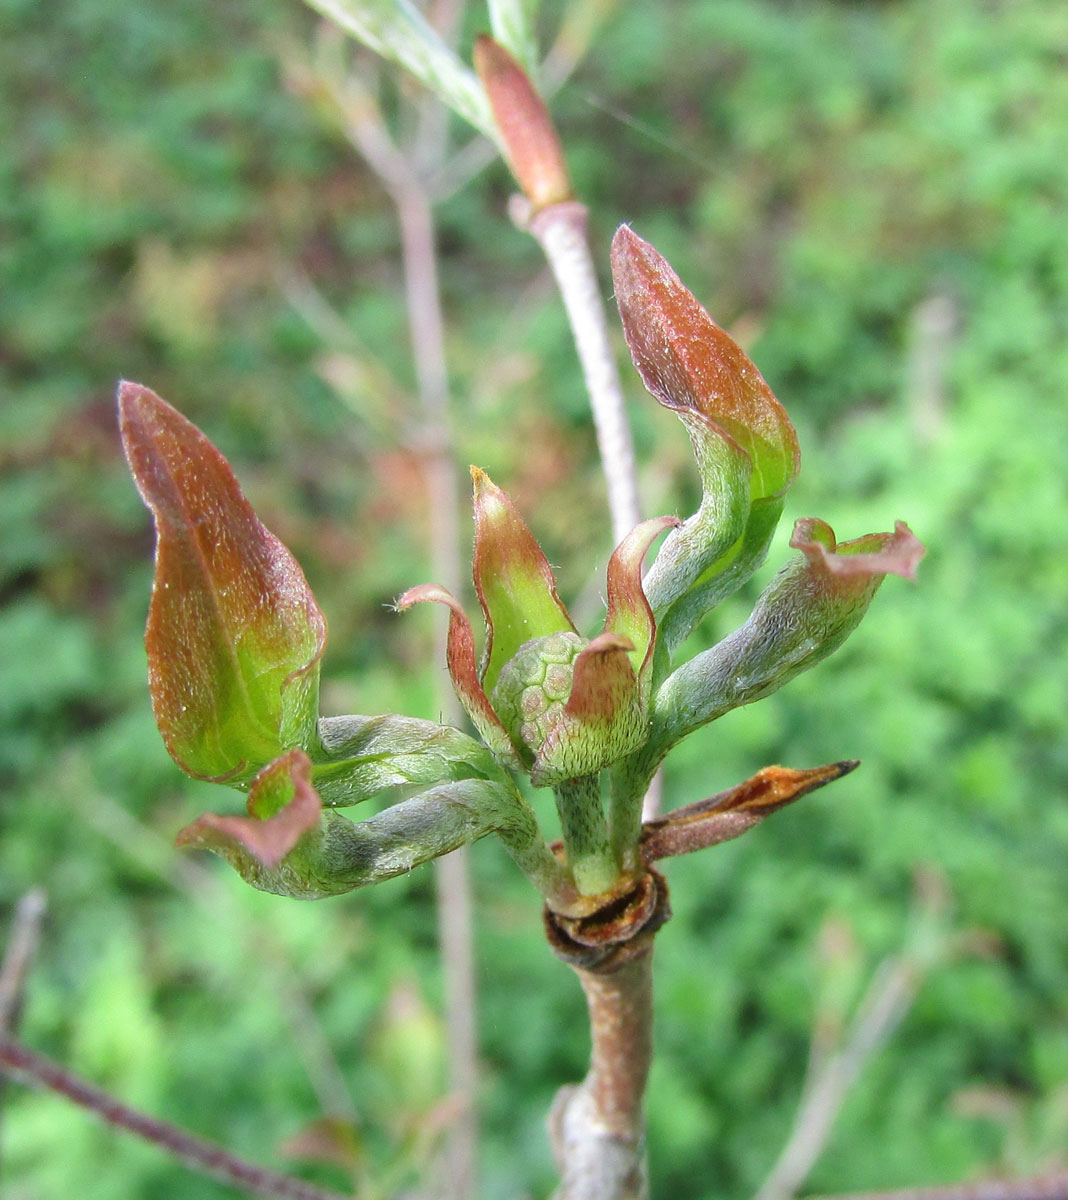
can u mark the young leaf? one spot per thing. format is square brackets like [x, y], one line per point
[234, 635]
[804, 614]
[514, 581]
[692, 366]
[398, 31]
[745, 446]
[629, 612]
[290, 846]
[463, 671]
[531, 146]
[368, 754]
[282, 807]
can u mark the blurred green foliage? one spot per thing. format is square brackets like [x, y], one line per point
[872, 195]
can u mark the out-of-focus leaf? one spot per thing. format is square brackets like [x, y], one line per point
[531, 145]
[332, 1140]
[514, 581]
[367, 754]
[291, 846]
[805, 613]
[234, 635]
[398, 31]
[744, 443]
[512, 22]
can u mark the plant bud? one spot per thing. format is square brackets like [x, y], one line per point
[533, 687]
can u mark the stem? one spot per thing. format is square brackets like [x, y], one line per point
[592, 863]
[18, 957]
[598, 1128]
[561, 231]
[196, 1153]
[624, 819]
[544, 870]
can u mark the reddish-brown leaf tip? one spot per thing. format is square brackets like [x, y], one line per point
[530, 142]
[897, 553]
[234, 635]
[694, 367]
[284, 790]
[729, 814]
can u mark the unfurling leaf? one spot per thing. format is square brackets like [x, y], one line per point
[515, 584]
[463, 670]
[366, 755]
[805, 613]
[630, 614]
[234, 635]
[291, 846]
[744, 443]
[282, 806]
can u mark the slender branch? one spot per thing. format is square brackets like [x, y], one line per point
[194, 1152]
[402, 170]
[598, 1128]
[888, 999]
[1036, 1187]
[833, 1070]
[18, 957]
[452, 874]
[560, 230]
[15, 967]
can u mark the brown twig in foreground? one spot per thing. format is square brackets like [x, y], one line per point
[194, 1152]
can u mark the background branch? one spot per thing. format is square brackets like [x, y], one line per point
[194, 1152]
[404, 168]
[833, 1071]
[1035, 1187]
[15, 969]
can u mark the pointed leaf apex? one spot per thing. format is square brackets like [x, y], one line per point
[629, 612]
[531, 145]
[463, 669]
[691, 365]
[234, 635]
[513, 579]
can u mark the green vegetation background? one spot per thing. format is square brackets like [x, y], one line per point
[874, 197]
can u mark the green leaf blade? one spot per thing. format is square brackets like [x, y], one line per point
[234, 635]
[515, 584]
[807, 611]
